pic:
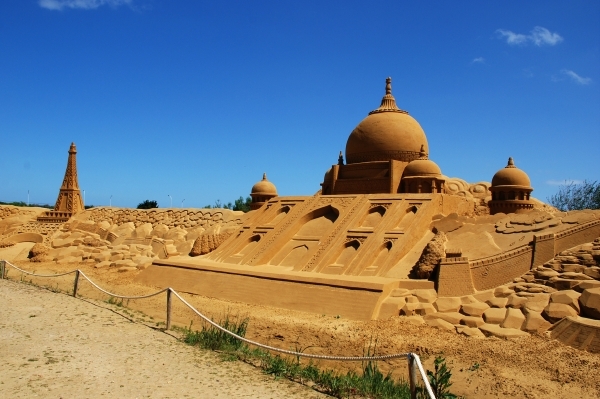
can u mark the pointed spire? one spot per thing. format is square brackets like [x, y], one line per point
[69, 200]
[341, 159]
[511, 163]
[265, 176]
[69, 196]
[422, 153]
[388, 102]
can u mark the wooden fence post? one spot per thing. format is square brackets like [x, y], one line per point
[168, 309]
[2, 266]
[412, 376]
[76, 283]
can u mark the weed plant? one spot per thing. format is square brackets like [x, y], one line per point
[371, 383]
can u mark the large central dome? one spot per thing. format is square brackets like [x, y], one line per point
[386, 133]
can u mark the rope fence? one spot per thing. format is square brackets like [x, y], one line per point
[414, 362]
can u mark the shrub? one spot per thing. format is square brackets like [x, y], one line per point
[147, 204]
[576, 196]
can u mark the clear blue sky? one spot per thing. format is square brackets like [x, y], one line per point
[196, 99]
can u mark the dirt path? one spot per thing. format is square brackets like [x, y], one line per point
[56, 346]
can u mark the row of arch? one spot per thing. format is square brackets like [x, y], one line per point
[317, 224]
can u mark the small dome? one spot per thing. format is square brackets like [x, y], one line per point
[422, 167]
[386, 133]
[511, 176]
[264, 187]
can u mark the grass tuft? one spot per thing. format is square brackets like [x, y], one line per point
[370, 383]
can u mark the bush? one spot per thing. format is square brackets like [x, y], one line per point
[147, 204]
[573, 196]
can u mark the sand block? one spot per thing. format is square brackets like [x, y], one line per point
[497, 302]
[505, 333]
[568, 297]
[391, 307]
[472, 321]
[425, 296]
[472, 332]
[564, 283]
[590, 303]
[103, 264]
[503, 291]
[467, 299]
[449, 304]
[484, 296]
[439, 323]
[514, 319]
[556, 311]
[474, 309]
[450, 317]
[546, 274]
[575, 276]
[584, 285]
[494, 315]
[593, 272]
[535, 322]
[515, 301]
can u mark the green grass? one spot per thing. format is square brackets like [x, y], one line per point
[370, 382]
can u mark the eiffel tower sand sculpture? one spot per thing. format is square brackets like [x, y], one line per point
[69, 200]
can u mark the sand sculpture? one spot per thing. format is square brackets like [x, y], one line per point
[69, 200]
[387, 235]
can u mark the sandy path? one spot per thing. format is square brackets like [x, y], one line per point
[56, 346]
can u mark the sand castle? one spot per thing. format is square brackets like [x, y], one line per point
[387, 235]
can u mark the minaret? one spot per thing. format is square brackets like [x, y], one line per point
[69, 200]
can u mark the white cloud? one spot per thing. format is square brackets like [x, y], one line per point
[539, 36]
[563, 182]
[577, 78]
[480, 60]
[512, 37]
[82, 4]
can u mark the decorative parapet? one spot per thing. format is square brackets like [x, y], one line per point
[496, 270]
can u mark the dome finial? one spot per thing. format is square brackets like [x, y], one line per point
[388, 102]
[511, 163]
[264, 176]
[341, 159]
[422, 153]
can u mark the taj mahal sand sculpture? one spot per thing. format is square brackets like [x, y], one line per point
[386, 235]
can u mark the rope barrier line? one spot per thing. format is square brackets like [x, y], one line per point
[121, 296]
[407, 355]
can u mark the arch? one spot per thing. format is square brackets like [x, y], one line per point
[348, 253]
[316, 222]
[374, 216]
[295, 255]
[384, 251]
[280, 214]
[511, 195]
[250, 245]
[407, 218]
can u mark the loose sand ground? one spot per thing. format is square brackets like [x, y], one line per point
[532, 367]
[56, 346]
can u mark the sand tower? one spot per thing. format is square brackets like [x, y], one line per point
[69, 200]
[262, 192]
[511, 190]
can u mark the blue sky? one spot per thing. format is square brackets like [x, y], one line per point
[197, 99]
